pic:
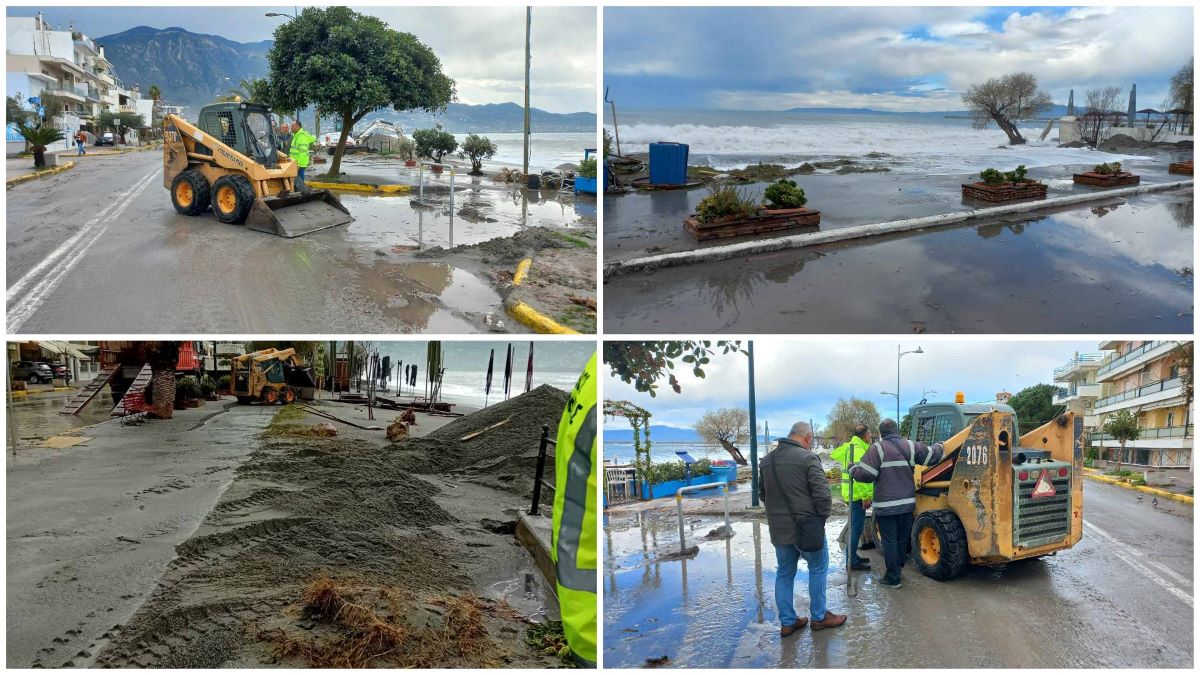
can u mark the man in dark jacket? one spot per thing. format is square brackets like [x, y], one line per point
[792, 486]
[888, 464]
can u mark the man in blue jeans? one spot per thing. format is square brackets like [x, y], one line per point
[793, 489]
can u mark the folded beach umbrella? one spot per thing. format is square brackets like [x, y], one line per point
[529, 369]
[487, 386]
[508, 371]
[433, 364]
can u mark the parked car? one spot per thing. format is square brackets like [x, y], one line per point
[106, 138]
[31, 371]
[59, 369]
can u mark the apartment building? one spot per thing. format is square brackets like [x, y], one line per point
[1144, 377]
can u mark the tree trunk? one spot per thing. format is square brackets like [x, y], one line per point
[1014, 135]
[733, 452]
[347, 123]
[1120, 455]
[163, 383]
[39, 158]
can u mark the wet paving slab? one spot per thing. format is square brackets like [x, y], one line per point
[716, 609]
[38, 416]
[1116, 266]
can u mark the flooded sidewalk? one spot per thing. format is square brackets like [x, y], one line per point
[1114, 266]
[716, 609]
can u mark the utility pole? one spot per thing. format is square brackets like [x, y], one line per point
[528, 57]
[754, 432]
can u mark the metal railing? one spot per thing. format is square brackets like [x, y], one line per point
[1151, 434]
[421, 182]
[1130, 355]
[679, 509]
[1138, 392]
[539, 477]
[1079, 360]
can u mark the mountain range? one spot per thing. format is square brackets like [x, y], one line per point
[193, 69]
[657, 433]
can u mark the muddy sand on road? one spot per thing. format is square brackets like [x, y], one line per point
[352, 551]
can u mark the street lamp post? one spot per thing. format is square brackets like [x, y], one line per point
[900, 354]
[754, 477]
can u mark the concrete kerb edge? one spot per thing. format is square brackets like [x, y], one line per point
[796, 241]
[1166, 494]
[528, 315]
[40, 174]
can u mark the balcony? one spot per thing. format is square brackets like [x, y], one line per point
[1160, 438]
[1072, 392]
[1079, 364]
[1154, 392]
[1135, 358]
[1152, 434]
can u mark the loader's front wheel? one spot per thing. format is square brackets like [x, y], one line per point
[232, 198]
[939, 544]
[288, 395]
[270, 396]
[190, 193]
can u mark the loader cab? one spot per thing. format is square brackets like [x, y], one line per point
[936, 422]
[245, 127]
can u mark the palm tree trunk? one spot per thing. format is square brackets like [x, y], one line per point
[163, 383]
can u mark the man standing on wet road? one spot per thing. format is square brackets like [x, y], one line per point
[889, 465]
[797, 499]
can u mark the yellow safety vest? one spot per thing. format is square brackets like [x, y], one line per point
[573, 546]
[301, 140]
[842, 456]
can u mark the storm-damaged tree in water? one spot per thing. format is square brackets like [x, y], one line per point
[350, 65]
[726, 427]
[1005, 101]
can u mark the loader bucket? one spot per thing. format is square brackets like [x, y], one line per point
[297, 213]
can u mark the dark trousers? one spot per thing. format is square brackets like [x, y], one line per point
[858, 518]
[895, 530]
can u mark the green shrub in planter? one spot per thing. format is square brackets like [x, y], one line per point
[223, 384]
[434, 143]
[1107, 169]
[587, 168]
[664, 472]
[992, 177]
[724, 202]
[784, 194]
[187, 389]
[1017, 175]
[207, 387]
[406, 148]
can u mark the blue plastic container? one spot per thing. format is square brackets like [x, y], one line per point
[668, 163]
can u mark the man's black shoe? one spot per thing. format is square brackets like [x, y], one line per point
[861, 566]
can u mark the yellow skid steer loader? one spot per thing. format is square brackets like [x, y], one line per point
[229, 161]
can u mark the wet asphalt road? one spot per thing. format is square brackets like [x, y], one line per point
[1122, 597]
[100, 249]
[1116, 266]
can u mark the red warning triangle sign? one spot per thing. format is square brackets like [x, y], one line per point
[1043, 488]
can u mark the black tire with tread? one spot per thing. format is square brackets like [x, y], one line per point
[245, 400]
[244, 193]
[200, 190]
[953, 544]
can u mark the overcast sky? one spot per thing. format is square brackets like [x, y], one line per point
[887, 58]
[482, 48]
[802, 380]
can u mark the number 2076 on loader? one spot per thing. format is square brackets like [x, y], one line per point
[229, 161]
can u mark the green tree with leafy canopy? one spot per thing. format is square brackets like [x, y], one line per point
[644, 364]
[1035, 406]
[15, 111]
[1123, 427]
[434, 143]
[350, 65]
[121, 121]
[477, 148]
[848, 413]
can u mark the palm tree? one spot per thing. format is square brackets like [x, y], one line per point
[38, 138]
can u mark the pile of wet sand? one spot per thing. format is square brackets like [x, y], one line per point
[506, 250]
[345, 508]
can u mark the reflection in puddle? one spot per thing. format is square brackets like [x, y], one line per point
[528, 594]
[37, 416]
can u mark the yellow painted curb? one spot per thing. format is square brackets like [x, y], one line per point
[522, 271]
[30, 176]
[1166, 494]
[536, 320]
[360, 187]
[19, 394]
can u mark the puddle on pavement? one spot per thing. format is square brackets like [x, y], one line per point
[405, 223]
[528, 594]
[432, 296]
[1034, 274]
[37, 416]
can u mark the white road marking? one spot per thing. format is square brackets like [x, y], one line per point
[1130, 555]
[66, 257]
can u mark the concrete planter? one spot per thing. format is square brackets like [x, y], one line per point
[436, 168]
[410, 162]
[767, 220]
[1184, 168]
[1106, 179]
[1005, 192]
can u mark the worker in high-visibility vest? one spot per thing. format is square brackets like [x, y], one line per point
[573, 546]
[301, 142]
[846, 455]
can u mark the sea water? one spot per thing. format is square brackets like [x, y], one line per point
[919, 143]
[546, 150]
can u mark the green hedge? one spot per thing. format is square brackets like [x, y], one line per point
[664, 472]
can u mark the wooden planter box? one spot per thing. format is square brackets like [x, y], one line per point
[1106, 179]
[1005, 192]
[1181, 167]
[767, 220]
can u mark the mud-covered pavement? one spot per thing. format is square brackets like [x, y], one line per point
[1122, 597]
[1114, 266]
[101, 247]
[420, 532]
